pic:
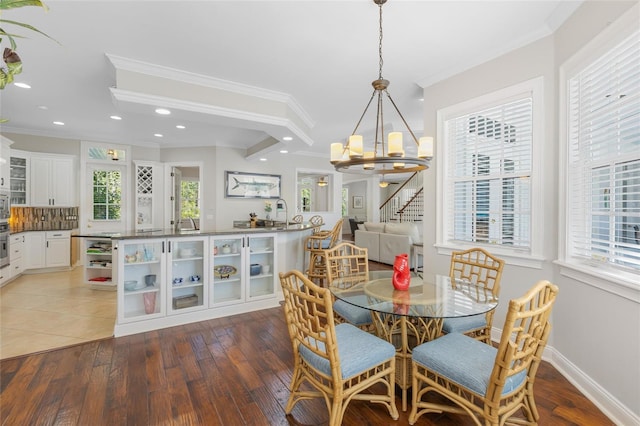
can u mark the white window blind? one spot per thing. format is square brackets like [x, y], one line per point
[604, 158]
[489, 174]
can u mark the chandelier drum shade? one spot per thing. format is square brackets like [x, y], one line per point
[380, 159]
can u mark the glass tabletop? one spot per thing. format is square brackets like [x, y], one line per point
[442, 298]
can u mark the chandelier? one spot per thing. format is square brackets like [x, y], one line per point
[352, 158]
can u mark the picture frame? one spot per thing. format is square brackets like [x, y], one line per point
[251, 185]
[358, 201]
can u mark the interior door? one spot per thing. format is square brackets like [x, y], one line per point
[176, 203]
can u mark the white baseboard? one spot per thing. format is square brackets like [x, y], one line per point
[619, 413]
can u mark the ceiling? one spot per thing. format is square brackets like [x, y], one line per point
[310, 62]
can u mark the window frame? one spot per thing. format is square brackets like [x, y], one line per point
[603, 276]
[96, 167]
[531, 257]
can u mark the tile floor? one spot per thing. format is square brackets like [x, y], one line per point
[45, 311]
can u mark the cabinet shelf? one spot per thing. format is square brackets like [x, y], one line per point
[148, 289]
[226, 280]
[99, 267]
[144, 262]
[188, 285]
[184, 259]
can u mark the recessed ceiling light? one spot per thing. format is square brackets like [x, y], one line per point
[116, 117]
[283, 151]
[22, 85]
[263, 159]
[158, 135]
[421, 99]
[287, 138]
[163, 111]
[43, 107]
[180, 126]
[58, 123]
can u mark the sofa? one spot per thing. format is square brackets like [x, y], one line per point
[386, 240]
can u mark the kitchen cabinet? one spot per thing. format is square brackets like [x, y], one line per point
[19, 178]
[5, 154]
[16, 250]
[187, 267]
[53, 180]
[98, 264]
[140, 275]
[243, 268]
[47, 249]
[148, 195]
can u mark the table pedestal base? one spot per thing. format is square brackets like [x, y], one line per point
[405, 333]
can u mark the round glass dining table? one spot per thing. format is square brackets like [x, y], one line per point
[411, 317]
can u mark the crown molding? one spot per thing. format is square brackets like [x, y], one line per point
[133, 65]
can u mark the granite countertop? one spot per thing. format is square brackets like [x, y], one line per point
[171, 233]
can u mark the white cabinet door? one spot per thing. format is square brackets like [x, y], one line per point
[140, 275]
[58, 249]
[34, 250]
[40, 176]
[187, 266]
[52, 181]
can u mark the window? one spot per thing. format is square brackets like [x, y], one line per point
[107, 194]
[603, 158]
[486, 174]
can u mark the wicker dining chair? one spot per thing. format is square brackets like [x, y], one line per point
[347, 265]
[479, 267]
[341, 362]
[317, 221]
[315, 244]
[487, 383]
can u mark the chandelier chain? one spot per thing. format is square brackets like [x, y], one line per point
[380, 45]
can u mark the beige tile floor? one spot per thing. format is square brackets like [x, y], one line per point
[45, 311]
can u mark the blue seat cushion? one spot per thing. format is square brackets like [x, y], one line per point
[465, 361]
[326, 243]
[463, 324]
[353, 314]
[358, 351]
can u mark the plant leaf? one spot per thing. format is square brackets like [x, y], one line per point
[12, 4]
[28, 27]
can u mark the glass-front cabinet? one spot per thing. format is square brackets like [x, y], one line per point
[227, 271]
[187, 267]
[261, 263]
[19, 169]
[141, 273]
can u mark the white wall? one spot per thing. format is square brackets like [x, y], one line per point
[596, 335]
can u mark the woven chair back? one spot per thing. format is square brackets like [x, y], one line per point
[346, 265]
[477, 266]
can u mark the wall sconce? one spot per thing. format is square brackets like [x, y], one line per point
[113, 153]
[322, 181]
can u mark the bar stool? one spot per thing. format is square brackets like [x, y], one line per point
[316, 244]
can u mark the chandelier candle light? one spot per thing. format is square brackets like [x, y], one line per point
[352, 157]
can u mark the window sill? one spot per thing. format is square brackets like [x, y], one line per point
[612, 281]
[511, 257]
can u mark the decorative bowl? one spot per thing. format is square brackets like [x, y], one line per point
[224, 271]
[187, 252]
[130, 285]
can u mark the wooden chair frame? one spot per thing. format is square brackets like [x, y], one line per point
[481, 267]
[347, 265]
[314, 244]
[524, 337]
[309, 314]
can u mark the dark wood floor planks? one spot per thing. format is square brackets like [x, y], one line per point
[229, 371]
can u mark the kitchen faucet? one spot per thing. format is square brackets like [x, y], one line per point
[286, 211]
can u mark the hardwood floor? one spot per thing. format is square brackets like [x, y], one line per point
[228, 371]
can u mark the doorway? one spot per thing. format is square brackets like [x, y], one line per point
[185, 196]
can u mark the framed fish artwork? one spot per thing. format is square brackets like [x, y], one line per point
[251, 185]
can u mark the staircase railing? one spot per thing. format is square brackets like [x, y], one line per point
[406, 203]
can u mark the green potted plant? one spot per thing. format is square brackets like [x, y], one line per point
[11, 63]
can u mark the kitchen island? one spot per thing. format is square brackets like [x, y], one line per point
[165, 278]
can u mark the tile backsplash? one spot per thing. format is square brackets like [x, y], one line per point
[43, 218]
